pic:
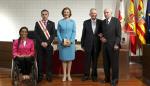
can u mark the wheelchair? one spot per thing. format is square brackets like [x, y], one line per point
[16, 75]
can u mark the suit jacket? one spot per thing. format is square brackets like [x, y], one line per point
[90, 39]
[39, 34]
[112, 31]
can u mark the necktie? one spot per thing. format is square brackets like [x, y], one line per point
[107, 22]
[45, 23]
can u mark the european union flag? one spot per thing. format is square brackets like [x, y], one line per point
[148, 22]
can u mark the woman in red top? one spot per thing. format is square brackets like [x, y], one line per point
[23, 52]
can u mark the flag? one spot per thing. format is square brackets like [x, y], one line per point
[141, 22]
[148, 22]
[131, 26]
[120, 14]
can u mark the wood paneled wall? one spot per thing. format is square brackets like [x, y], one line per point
[6, 58]
[146, 63]
[5, 54]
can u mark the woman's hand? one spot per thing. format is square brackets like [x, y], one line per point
[66, 42]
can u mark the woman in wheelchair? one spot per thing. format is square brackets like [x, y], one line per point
[23, 53]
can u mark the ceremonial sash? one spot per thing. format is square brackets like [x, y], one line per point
[44, 29]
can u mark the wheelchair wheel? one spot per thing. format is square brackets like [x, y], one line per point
[15, 76]
[34, 75]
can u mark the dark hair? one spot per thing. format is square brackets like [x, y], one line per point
[44, 10]
[19, 34]
[66, 8]
[23, 28]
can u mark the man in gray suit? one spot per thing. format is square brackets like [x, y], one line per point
[110, 37]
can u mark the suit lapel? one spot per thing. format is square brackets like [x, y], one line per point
[90, 25]
[105, 25]
[48, 26]
[111, 21]
[108, 27]
[109, 24]
[96, 29]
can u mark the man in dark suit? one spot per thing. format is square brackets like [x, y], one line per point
[110, 37]
[91, 44]
[45, 33]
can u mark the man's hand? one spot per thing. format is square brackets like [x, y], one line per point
[116, 47]
[103, 39]
[44, 44]
[100, 35]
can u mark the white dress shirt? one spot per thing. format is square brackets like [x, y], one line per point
[108, 20]
[93, 23]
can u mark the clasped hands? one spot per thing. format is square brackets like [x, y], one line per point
[66, 42]
[102, 38]
[44, 44]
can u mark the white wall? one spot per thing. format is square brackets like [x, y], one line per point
[17, 13]
[99, 7]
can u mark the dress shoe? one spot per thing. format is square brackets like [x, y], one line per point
[84, 78]
[39, 80]
[40, 77]
[49, 79]
[94, 79]
[107, 81]
[114, 83]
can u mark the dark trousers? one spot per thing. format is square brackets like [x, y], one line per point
[25, 64]
[44, 55]
[111, 60]
[91, 59]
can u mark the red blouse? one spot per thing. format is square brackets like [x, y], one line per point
[26, 49]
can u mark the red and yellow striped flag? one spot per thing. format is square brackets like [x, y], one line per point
[131, 17]
[131, 26]
[141, 22]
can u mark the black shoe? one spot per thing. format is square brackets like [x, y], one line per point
[49, 79]
[84, 78]
[114, 83]
[39, 80]
[107, 81]
[94, 78]
[40, 77]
